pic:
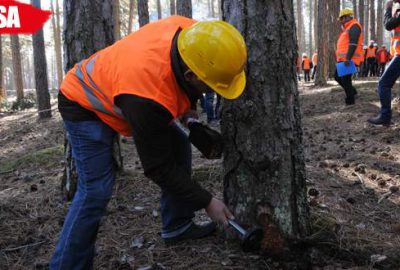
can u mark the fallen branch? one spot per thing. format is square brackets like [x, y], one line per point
[21, 247]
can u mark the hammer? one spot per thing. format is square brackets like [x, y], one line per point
[251, 239]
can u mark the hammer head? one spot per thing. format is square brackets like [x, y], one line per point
[252, 239]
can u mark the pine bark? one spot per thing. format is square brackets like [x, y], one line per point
[131, 13]
[300, 25]
[117, 20]
[366, 26]
[172, 7]
[159, 11]
[333, 34]
[264, 172]
[355, 8]
[361, 15]
[143, 11]
[322, 68]
[40, 67]
[17, 68]
[310, 28]
[379, 23]
[184, 8]
[88, 28]
[372, 22]
[316, 24]
[55, 22]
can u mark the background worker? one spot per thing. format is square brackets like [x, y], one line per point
[382, 57]
[306, 65]
[137, 87]
[315, 63]
[349, 47]
[371, 59]
[392, 72]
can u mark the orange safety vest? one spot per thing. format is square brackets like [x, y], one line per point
[371, 52]
[344, 42]
[306, 63]
[139, 64]
[395, 42]
[315, 59]
[382, 56]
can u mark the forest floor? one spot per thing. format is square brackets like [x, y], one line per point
[350, 166]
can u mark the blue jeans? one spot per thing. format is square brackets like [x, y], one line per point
[209, 105]
[92, 143]
[385, 86]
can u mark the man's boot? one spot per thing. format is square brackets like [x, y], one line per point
[379, 120]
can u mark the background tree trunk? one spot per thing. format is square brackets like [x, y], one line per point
[264, 173]
[40, 67]
[172, 7]
[322, 67]
[316, 23]
[143, 11]
[372, 23]
[159, 11]
[117, 20]
[88, 28]
[361, 16]
[300, 26]
[379, 23]
[355, 8]
[366, 26]
[333, 35]
[57, 41]
[17, 68]
[131, 13]
[184, 8]
[310, 28]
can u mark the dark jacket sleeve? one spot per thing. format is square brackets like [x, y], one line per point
[354, 35]
[152, 133]
[390, 22]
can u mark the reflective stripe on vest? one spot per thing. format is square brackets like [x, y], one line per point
[344, 43]
[395, 42]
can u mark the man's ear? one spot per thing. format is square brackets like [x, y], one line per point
[189, 75]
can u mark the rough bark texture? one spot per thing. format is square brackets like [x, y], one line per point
[300, 26]
[361, 16]
[131, 13]
[322, 69]
[366, 26]
[3, 94]
[172, 7]
[379, 23]
[55, 22]
[159, 11]
[143, 11]
[316, 23]
[310, 21]
[184, 8]
[88, 28]
[355, 8]
[264, 173]
[40, 67]
[117, 20]
[372, 22]
[17, 68]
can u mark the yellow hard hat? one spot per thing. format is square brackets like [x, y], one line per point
[216, 52]
[346, 12]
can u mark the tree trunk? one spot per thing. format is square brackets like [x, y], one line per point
[379, 23]
[143, 11]
[366, 26]
[3, 94]
[40, 67]
[117, 20]
[355, 7]
[343, 3]
[131, 13]
[212, 8]
[159, 11]
[333, 34]
[264, 179]
[372, 22]
[300, 26]
[310, 28]
[85, 33]
[17, 68]
[184, 8]
[316, 23]
[322, 67]
[172, 7]
[361, 16]
[57, 41]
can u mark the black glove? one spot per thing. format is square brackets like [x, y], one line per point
[208, 141]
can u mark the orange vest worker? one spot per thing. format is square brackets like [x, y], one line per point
[306, 63]
[130, 66]
[395, 42]
[343, 44]
[315, 59]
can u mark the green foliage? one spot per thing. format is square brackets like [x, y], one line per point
[48, 157]
[27, 102]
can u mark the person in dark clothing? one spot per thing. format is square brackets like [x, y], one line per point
[306, 65]
[349, 48]
[139, 87]
[371, 59]
[392, 72]
[382, 57]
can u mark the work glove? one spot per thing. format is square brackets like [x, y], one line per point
[208, 141]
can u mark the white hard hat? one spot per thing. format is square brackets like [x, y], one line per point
[304, 54]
